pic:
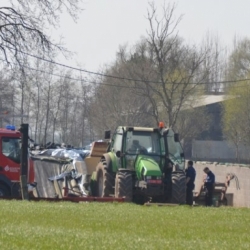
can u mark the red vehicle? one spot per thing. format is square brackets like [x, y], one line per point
[10, 152]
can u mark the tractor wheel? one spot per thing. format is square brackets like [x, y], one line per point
[178, 188]
[104, 181]
[124, 186]
[4, 191]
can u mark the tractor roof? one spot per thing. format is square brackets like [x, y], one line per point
[137, 128]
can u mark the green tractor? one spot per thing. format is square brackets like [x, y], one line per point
[142, 165]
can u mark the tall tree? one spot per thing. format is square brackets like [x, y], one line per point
[178, 68]
[7, 97]
[168, 72]
[216, 62]
[116, 102]
[239, 60]
[157, 78]
[236, 117]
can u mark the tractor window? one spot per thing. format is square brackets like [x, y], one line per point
[175, 150]
[11, 148]
[118, 142]
[148, 141]
[142, 142]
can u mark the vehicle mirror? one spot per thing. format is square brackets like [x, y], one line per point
[107, 134]
[176, 137]
[118, 154]
[182, 155]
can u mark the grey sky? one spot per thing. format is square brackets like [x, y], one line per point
[106, 24]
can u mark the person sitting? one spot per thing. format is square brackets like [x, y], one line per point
[137, 148]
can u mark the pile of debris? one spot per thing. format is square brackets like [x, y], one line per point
[60, 169]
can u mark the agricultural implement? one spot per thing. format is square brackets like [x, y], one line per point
[219, 193]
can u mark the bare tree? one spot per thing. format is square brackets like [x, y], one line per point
[66, 113]
[37, 98]
[81, 124]
[158, 78]
[7, 97]
[178, 67]
[116, 102]
[23, 26]
[215, 61]
[55, 104]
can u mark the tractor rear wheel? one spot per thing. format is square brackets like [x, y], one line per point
[124, 185]
[4, 191]
[178, 188]
[104, 181]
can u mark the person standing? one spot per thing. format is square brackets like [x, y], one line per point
[209, 186]
[190, 179]
[167, 179]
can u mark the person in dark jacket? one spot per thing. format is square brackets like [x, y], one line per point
[209, 183]
[190, 179]
[167, 179]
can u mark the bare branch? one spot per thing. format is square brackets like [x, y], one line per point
[23, 24]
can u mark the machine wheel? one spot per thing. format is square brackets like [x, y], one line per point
[124, 186]
[178, 188]
[4, 191]
[104, 181]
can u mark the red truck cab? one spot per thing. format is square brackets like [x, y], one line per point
[10, 152]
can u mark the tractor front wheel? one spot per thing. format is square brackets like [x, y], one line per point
[104, 181]
[178, 188]
[124, 185]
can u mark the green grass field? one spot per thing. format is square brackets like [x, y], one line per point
[66, 225]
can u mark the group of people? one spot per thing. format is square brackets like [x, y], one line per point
[208, 184]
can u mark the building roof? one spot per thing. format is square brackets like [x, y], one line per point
[205, 100]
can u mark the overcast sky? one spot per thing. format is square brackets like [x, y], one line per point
[104, 25]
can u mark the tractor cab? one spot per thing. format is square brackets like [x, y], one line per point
[158, 144]
[143, 143]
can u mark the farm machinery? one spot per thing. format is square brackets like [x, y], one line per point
[142, 165]
[137, 164]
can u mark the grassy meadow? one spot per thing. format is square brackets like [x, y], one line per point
[66, 225]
